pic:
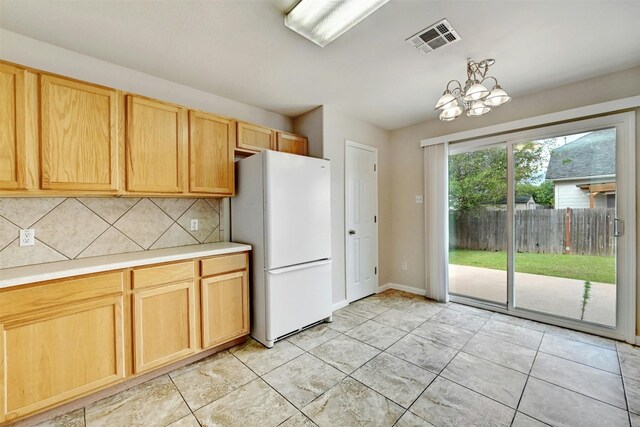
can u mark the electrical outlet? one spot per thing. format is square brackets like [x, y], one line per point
[194, 225]
[404, 265]
[27, 237]
[419, 199]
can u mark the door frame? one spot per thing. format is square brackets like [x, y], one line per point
[625, 176]
[374, 150]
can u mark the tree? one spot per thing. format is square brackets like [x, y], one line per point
[479, 178]
[543, 193]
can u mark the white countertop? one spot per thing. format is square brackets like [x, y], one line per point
[56, 270]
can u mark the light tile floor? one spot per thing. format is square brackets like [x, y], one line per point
[394, 359]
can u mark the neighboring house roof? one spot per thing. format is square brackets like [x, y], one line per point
[526, 198]
[591, 155]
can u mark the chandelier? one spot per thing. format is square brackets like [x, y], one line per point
[474, 97]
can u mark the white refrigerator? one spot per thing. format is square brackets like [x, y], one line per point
[282, 208]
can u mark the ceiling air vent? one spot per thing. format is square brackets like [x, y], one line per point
[439, 34]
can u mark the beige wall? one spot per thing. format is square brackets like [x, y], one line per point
[310, 125]
[407, 228]
[44, 56]
[336, 128]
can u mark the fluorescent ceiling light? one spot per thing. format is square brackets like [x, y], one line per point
[323, 21]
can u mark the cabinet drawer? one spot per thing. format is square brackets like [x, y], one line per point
[14, 302]
[163, 274]
[223, 264]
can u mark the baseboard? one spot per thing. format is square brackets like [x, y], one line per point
[383, 288]
[404, 288]
[637, 340]
[339, 305]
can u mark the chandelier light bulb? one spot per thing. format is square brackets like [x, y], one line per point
[447, 100]
[475, 92]
[450, 113]
[497, 97]
[477, 109]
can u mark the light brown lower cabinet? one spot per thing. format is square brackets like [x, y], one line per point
[64, 350]
[225, 307]
[164, 325]
[68, 338]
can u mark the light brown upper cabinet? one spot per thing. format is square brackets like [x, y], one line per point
[211, 144]
[255, 138]
[156, 144]
[12, 127]
[79, 138]
[290, 143]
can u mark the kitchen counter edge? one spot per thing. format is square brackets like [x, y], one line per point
[17, 276]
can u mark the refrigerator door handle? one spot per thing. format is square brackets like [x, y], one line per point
[299, 267]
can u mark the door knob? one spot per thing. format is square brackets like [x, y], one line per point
[352, 232]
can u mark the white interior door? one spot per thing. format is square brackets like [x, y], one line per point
[361, 204]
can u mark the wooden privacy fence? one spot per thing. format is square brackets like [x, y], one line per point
[558, 231]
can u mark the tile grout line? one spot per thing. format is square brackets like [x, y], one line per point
[527, 382]
[93, 241]
[53, 209]
[161, 210]
[151, 199]
[184, 400]
[111, 225]
[582, 364]
[263, 380]
[16, 225]
[551, 354]
[624, 387]
[79, 200]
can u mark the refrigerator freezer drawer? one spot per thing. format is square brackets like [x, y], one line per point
[297, 297]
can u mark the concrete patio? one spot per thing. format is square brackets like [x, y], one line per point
[554, 295]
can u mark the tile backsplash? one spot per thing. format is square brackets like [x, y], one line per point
[70, 228]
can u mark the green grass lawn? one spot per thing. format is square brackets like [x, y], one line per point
[582, 267]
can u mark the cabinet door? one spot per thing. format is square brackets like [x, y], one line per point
[225, 308]
[211, 143]
[155, 147]
[255, 138]
[293, 144]
[12, 128]
[55, 355]
[78, 135]
[164, 325]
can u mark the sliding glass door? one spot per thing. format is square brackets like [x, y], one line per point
[564, 238]
[537, 224]
[478, 223]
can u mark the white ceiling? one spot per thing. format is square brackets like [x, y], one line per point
[240, 49]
